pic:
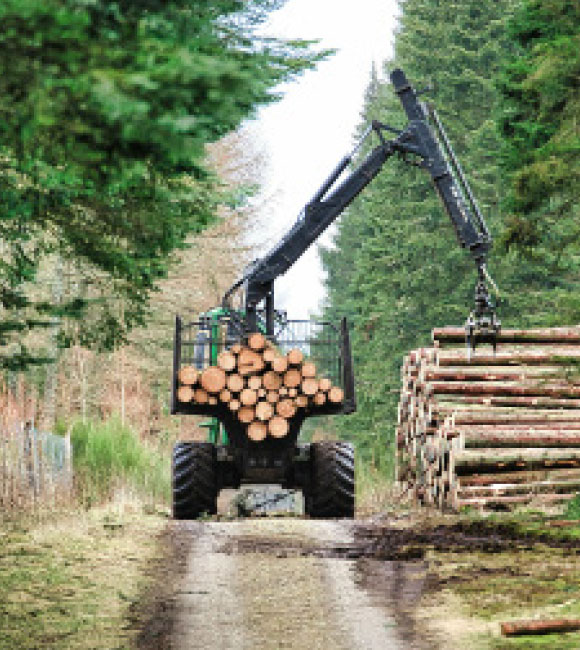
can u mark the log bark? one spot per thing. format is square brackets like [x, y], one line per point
[256, 341]
[566, 335]
[522, 498]
[257, 431]
[501, 389]
[246, 414]
[264, 411]
[519, 374]
[559, 356]
[493, 460]
[522, 476]
[295, 357]
[248, 397]
[516, 416]
[513, 401]
[529, 441]
[542, 626]
[185, 393]
[286, 408]
[505, 489]
[213, 379]
[235, 383]
[226, 360]
[278, 427]
[188, 375]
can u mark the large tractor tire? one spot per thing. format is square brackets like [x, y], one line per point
[332, 488]
[194, 480]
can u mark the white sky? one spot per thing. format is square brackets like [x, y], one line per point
[304, 136]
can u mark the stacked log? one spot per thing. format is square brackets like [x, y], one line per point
[491, 430]
[264, 388]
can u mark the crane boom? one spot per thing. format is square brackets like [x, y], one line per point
[425, 141]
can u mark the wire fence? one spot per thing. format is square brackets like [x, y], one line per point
[35, 468]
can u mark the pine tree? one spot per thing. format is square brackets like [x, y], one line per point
[540, 109]
[105, 112]
[397, 270]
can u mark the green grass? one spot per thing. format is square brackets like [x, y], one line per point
[77, 582]
[573, 508]
[107, 455]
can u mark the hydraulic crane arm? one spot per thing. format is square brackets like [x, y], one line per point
[429, 148]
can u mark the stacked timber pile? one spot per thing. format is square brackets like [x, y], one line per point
[264, 388]
[491, 430]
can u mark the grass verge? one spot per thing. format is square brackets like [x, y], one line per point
[108, 454]
[77, 582]
[538, 576]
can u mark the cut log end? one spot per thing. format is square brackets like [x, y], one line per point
[185, 394]
[226, 360]
[286, 408]
[248, 397]
[213, 379]
[264, 411]
[256, 341]
[335, 395]
[235, 383]
[278, 427]
[295, 357]
[257, 431]
[188, 375]
[246, 414]
[292, 378]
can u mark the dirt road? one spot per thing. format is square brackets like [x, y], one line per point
[288, 583]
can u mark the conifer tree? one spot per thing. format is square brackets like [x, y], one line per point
[397, 269]
[105, 111]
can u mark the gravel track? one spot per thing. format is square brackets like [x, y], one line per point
[277, 583]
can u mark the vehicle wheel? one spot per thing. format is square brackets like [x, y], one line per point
[194, 480]
[333, 482]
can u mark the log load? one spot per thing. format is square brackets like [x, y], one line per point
[491, 430]
[260, 386]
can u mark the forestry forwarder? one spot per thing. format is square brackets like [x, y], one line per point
[324, 471]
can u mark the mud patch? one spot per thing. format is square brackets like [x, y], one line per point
[155, 610]
[388, 542]
[283, 547]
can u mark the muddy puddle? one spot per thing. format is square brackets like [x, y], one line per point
[393, 585]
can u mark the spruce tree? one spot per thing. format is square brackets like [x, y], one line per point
[105, 112]
[397, 269]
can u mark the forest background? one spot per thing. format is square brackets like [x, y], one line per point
[123, 182]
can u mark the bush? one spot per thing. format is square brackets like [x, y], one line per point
[573, 508]
[107, 455]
